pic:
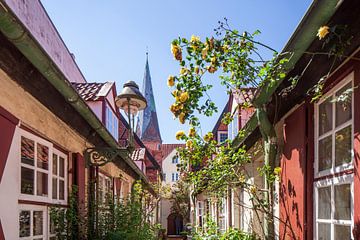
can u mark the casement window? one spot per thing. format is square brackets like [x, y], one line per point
[200, 212]
[43, 171]
[175, 160]
[222, 215]
[333, 193]
[175, 177]
[233, 127]
[34, 223]
[112, 122]
[104, 187]
[222, 136]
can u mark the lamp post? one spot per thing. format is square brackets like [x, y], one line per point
[131, 101]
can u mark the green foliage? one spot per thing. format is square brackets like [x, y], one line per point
[210, 231]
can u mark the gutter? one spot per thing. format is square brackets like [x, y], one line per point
[17, 34]
[318, 14]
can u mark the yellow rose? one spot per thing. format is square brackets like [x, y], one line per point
[211, 69]
[176, 51]
[192, 132]
[182, 118]
[184, 71]
[179, 134]
[253, 189]
[171, 81]
[208, 137]
[173, 108]
[196, 69]
[213, 60]
[277, 170]
[204, 52]
[322, 32]
[195, 39]
[189, 143]
[225, 48]
[184, 96]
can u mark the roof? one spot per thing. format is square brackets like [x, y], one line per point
[244, 95]
[168, 148]
[92, 91]
[148, 125]
[138, 154]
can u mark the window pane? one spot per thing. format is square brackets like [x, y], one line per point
[27, 151]
[343, 146]
[42, 156]
[324, 231]
[24, 221]
[61, 190]
[54, 188]
[324, 207]
[27, 181]
[55, 164]
[325, 149]
[343, 104]
[342, 202]
[342, 232]
[38, 223]
[61, 167]
[41, 184]
[325, 117]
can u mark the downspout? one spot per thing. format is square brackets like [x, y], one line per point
[22, 39]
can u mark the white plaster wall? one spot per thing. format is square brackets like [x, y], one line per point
[10, 189]
[169, 167]
[165, 211]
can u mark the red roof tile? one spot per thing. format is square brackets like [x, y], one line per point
[92, 91]
[138, 154]
[168, 148]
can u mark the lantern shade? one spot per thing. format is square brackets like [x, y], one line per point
[130, 95]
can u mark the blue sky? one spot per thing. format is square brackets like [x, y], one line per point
[110, 38]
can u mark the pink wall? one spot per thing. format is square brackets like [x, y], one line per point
[34, 17]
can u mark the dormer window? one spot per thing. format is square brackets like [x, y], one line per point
[111, 122]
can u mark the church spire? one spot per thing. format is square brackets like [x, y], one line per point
[148, 126]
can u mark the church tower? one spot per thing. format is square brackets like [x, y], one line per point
[148, 125]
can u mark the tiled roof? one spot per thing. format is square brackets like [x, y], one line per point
[92, 91]
[244, 95]
[138, 154]
[168, 148]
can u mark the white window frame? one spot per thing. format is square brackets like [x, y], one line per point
[219, 135]
[46, 217]
[223, 214]
[59, 178]
[102, 186]
[346, 166]
[200, 212]
[340, 180]
[111, 121]
[35, 197]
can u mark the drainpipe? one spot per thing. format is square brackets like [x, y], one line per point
[17, 34]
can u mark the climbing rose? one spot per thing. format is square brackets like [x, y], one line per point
[195, 39]
[171, 81]
[322, 32]
[179, 134]
[189, 143]
[208, 137]
[192, 132]
[184, 96]
[277, 170]
[176, 51]
[182, 118]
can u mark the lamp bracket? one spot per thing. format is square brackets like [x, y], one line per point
[99, 156]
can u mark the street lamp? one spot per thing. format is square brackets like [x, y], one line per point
[131, 101]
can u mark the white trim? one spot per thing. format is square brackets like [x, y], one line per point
[52, 150]
[46, 227]
[219, 134]
[331, 182]
[334, 169]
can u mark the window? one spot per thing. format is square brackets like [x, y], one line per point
[164, 177]
[175, 177]
[104, 188]
[175, 160]
[222, 136]
[334, 131]
[334, 206]
[334, 154]
[111, 122]
[222, 215]
[43, 170]
[200, 209]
